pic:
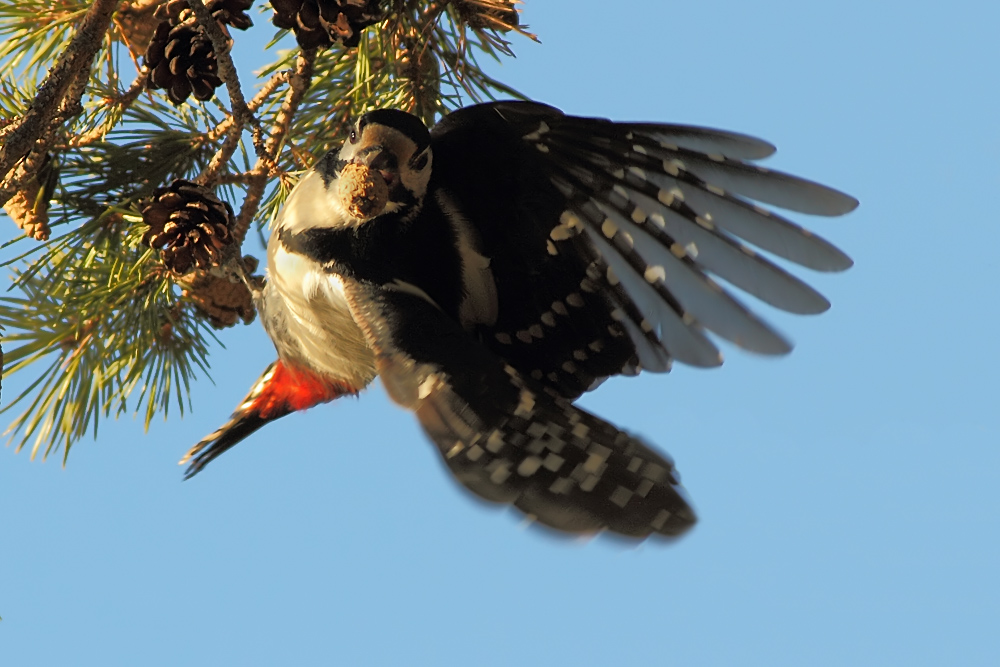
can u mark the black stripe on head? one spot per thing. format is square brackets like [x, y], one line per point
[330, 166]
[406, 123]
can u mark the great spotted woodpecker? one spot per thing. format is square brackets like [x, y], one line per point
[493, 268]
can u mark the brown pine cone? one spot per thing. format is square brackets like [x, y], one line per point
[29, 206]
[231, 12]
[320, 23]
[188, 224]
[180, 57]
[221, 301]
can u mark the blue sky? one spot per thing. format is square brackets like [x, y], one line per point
[847, 494]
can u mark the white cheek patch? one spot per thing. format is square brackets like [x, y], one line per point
[416, 181]
[310, 205]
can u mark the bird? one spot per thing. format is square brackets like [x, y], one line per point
[496, 266]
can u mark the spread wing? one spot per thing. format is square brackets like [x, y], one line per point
[605, 239]
[504, 437]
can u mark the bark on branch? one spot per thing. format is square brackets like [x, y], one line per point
[36, 122]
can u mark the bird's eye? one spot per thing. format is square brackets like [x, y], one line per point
[420, 162]
[354, 136]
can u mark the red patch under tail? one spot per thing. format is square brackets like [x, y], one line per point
[279, 391]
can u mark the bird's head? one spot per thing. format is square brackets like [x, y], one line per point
[383, 168]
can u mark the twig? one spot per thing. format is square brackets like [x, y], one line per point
[227, 71]
[232, 130]
[77, 58]
[124, 100]
[298, 85]
[277, 79]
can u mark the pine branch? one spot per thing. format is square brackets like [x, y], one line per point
[52, 94]
[105, 323]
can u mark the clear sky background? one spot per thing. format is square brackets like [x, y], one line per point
[847, 493]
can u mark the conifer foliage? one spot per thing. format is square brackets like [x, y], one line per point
[136, 158]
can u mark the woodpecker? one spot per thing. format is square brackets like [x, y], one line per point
[493, 268]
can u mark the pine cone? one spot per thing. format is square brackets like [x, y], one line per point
[222, 302]
[180, 57]
[29, 206]
[188, 224]
[136, 24]
[231, 12]
[318, 23]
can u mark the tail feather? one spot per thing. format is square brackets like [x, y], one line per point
[280, 390]
[229, 434]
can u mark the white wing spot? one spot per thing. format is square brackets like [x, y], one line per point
[643, 488]
[660, 520]
[526, 407]
[523, 336]
[678, 250]
[551, 248]
[475, 453]
[548, 319]
[455, 451]
[716, 157]
[621, 496]
[574, 299]
[529, 466]
[569, 367]
[618, 314]
[609, 228]
[715, 189]
[561, 485]
[579, 355]
[569, 219]
[611, 277]
[597, 345]
[646, 325]
[542, 129]
[536, 331]
[503, 338]
[692, 250]
[561, 233]
[638, 215]
[542, 147]
[702, 222]
[636, 171]
[654, 273]
[655, 472]
[641, 150]
[553, 462]
[500, 472]
[580, 431]
[560, 308]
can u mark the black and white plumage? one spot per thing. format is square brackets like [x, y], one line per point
[523, 256]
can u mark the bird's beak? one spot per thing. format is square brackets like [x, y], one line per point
[377, 158]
